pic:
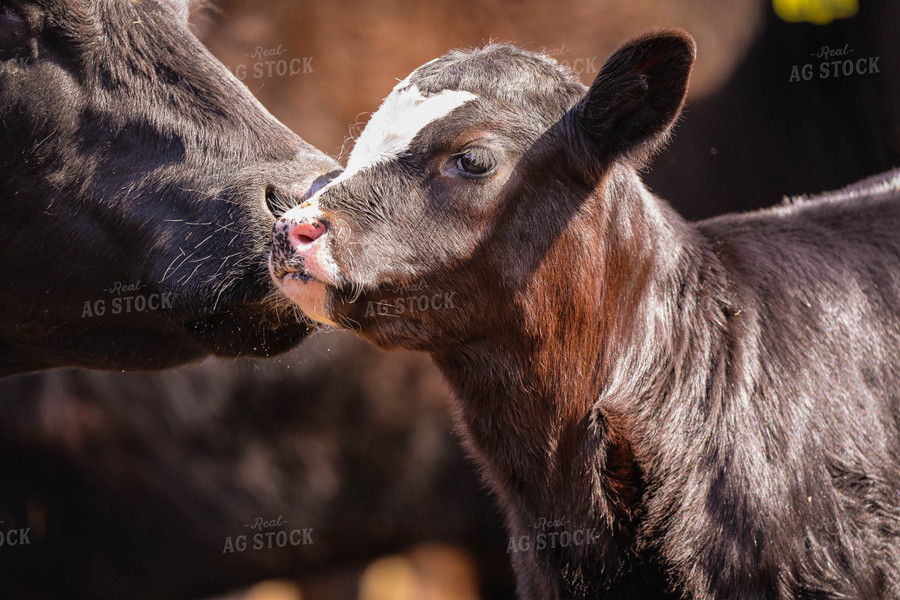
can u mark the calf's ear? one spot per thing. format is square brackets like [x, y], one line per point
[637, 95]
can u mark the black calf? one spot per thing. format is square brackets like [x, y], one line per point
[713, 407]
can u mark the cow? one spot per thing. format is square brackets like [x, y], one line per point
[138, 184]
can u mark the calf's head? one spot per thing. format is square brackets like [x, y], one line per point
[134, 224]
[471, 182]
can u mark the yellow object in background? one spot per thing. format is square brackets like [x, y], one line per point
[274, 590]
[820, 12]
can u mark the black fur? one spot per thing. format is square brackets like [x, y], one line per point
[131, 155]
[717, 401]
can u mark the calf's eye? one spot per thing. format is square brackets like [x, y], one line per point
[475, 161]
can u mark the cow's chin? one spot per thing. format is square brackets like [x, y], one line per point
[248, 330]
[311, 296]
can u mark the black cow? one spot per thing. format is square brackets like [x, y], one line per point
[133, 192]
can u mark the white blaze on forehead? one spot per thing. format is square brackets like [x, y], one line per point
[402, 115]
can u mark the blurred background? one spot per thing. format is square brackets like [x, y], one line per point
[142, 486]
[749, 134]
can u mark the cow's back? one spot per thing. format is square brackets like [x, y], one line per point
[813, 295]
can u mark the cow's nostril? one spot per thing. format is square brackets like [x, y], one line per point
[278, 201]
[305, 232]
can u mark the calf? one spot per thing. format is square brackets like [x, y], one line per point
[665, 409]
[134, 224]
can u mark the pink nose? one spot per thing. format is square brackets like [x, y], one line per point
[305, 232]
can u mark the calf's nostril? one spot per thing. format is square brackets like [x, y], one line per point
[305, 232]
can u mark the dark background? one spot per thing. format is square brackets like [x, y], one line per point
[131, 483]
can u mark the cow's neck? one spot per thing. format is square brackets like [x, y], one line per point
[556, 402]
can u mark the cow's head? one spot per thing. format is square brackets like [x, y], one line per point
[137, 177]
[486, 176]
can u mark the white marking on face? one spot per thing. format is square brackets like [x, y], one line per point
[402, 115]
[308, 211]
[311, 297]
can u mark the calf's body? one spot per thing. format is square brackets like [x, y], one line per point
[715, 403]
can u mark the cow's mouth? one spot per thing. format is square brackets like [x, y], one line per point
[284, 274]
[285, 265]
[247, 320]
[248, 330]
[310, 294]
